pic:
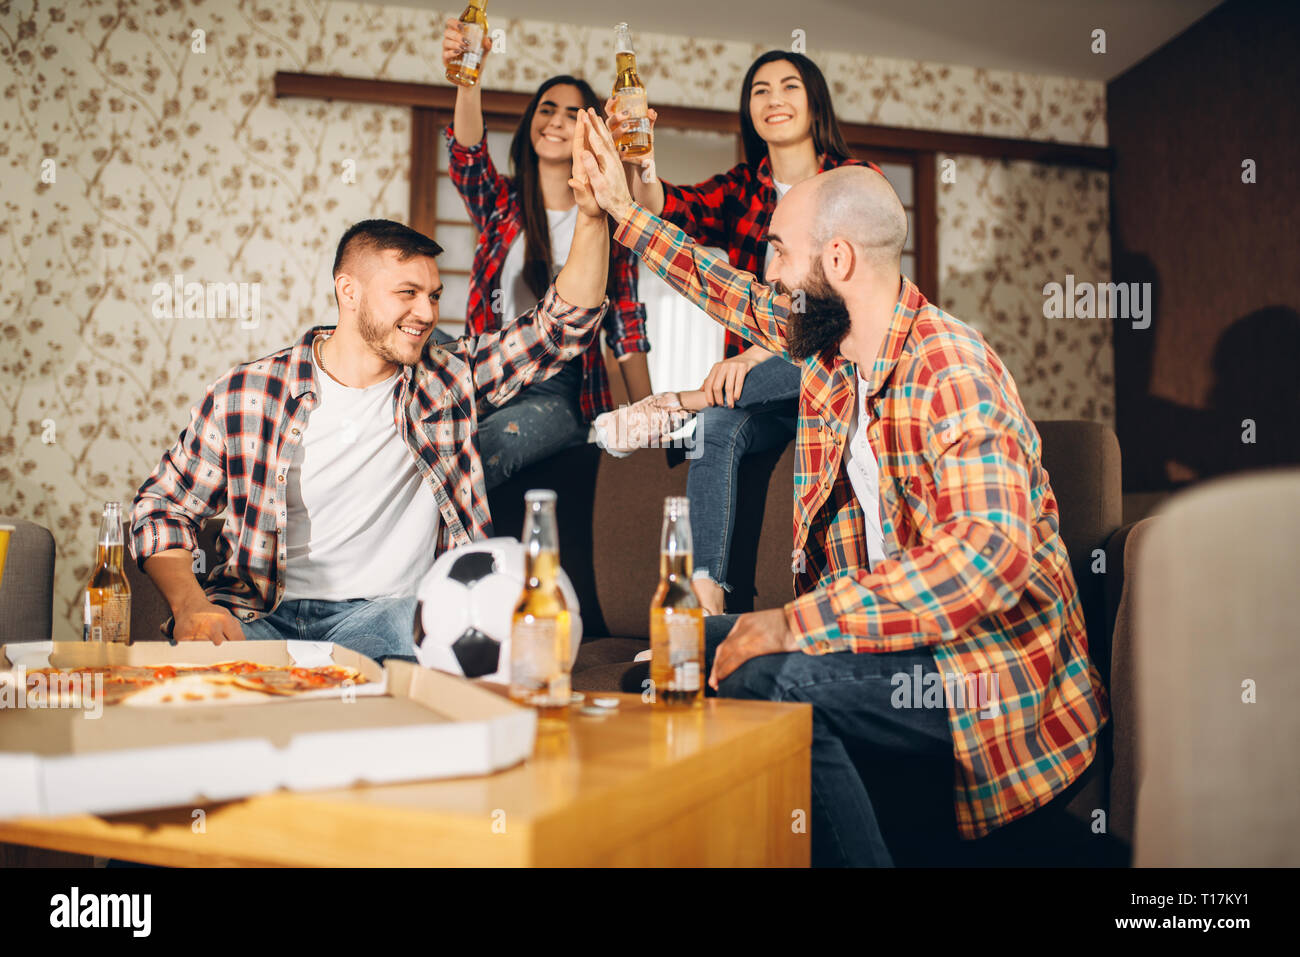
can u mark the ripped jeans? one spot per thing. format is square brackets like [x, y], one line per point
[538, 422]
[764, 418]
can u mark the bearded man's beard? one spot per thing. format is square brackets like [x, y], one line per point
[821, 323]
[376, 336]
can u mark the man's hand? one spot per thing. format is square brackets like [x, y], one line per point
[723, 384]
[754, 634]
[603, 167]
[580, 183]
[204, 621]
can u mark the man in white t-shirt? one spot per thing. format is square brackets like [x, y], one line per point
[347, 462]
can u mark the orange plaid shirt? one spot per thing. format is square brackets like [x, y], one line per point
[974, 565]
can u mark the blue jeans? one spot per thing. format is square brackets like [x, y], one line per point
[377, 628]
[538, 422]
[851, 702]
[764, 418]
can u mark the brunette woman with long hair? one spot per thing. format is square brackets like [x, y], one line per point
[525, 223]
[749, 401]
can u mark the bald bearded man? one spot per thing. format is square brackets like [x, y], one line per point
[936, 610]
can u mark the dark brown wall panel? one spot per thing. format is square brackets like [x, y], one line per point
[1223, 256]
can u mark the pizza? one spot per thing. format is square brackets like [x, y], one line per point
[222, 682]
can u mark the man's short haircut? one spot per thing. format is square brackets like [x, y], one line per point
[858, 204]
[376, 235]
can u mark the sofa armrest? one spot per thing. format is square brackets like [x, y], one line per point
[1121, 561]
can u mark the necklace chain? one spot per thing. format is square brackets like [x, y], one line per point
[320, 355]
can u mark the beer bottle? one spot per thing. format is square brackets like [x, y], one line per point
[540, 657]
[106, 602]
[464, 69]
[5, 532]
[676, 618]
[629, 96]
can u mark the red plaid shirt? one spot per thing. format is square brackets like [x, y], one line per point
[732, 211]
[223, 460]
[974, 567]
[493, 204]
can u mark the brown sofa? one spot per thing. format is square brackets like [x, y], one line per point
[609, 514]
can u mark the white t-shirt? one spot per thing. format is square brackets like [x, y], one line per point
[362, 520]
[781, 190]
[516, 297]
[864, 475]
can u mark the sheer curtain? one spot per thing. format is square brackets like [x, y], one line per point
[685, 341]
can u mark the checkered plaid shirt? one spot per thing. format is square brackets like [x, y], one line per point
[732, 211]
[222, 460]
[494, 207]
[974, 566]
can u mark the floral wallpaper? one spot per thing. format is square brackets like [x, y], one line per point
[1006, 230]
[165, 217]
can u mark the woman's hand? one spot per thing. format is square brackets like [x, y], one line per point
[723, 384]
[454, 44]
[638, 167]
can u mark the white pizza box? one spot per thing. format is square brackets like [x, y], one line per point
[422, 724]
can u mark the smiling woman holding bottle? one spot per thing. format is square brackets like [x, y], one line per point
[525, 223]
[748, 401]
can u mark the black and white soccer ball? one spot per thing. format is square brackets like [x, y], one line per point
[465, 608]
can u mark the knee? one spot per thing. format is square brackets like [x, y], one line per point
[719, 427]
[393, 631]
[758, 679]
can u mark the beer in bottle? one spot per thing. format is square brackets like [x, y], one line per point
[464, 69]
[676, 618]
[106, 599]
[629, 96]
[540, 657]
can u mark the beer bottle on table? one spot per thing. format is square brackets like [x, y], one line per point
[629, 96]
[106, 599]
[464, 69]
[676, 618]
[540, 656]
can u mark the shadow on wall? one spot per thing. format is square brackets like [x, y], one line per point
[1252, 417]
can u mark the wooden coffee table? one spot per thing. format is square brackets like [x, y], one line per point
[723, 785]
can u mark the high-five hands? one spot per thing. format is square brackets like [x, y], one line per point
[580, 182]
[600, 161]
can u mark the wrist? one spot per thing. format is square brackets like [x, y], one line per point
[621, 211]
[791, 642]
[191, 604]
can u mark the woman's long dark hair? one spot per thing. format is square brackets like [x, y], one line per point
[825, 128]
[538, 264]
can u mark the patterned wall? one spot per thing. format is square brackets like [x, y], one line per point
[134, 149]
[1006, 229]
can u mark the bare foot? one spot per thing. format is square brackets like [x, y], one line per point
[712, 598]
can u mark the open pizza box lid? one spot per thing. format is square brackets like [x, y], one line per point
[409, 723]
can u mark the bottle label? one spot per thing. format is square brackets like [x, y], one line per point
[471, 58]
[533, 663]
[108, 619]
[685, 644]
[632, 100]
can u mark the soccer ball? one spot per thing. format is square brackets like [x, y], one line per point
[465, 605]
